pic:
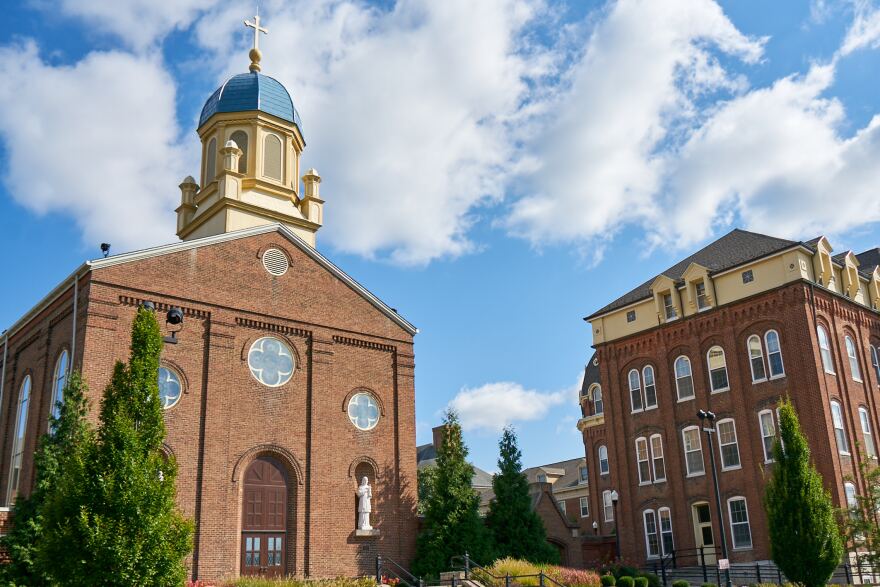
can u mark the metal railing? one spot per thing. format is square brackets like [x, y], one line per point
[475, 572]
[387, 568]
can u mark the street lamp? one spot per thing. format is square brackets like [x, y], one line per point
[596, 528]
[707, 416]
[614, 497]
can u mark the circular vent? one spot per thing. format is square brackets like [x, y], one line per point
[275, 262]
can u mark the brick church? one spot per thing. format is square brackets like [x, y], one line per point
[285, 383]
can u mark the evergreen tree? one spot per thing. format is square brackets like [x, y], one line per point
[113, 515]
[804, 536]
[862, 522]
[56, 451]
[516, 529]
[452, 521]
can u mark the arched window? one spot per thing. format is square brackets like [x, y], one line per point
[839, 430]
[658, 462]
[684, 380]
[756, 358]
[854, 369]
[768, 433]
[652, 537]
[727, 445]
[666, 541]
[272, 157]
[870, 450]
[211, 161]
[774, 354]
[635, 391]
[825, 349]
[598, 406]
[643, 460]
[740, 531]
[717, 369]
[59, 380]
[241, 139]
[850, 491]
[693, 451]
[650, 387]
[607, 506]
[875, 362]
[20, 432]
[604, 468]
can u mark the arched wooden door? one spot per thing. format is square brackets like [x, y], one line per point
[264, 519]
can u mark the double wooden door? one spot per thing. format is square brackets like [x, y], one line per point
[264, 519]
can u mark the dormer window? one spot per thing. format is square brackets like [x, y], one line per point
[702, 298]
[668, 307]
[542, 478]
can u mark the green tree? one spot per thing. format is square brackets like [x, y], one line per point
[805, 539]
[113, 515]
[452, 521]
[516, 529]
[861, 522]
[56, 451]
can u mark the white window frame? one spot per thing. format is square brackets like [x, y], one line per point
[669, 309]
[768, 452]
[561, 503]
[770, 372]
[585, 477]
[59, 380]
[607, 468]
[750, 351]
[726, 372]
[849, 492]
[678, 378]
[596, 398]
[735, 443]
[607, 506]
[733, 524]
[657, 455]
[839, 428]
[875, 362]
[643, 461]
[19, 439]
[645, 370]
[655, 534]
[702, 299]
[855, 370]
[668, 512]
[635, 391]
[867, 435]
[699, 449]
[825, 350]
[584, 504]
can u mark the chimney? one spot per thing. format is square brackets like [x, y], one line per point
[438, 433]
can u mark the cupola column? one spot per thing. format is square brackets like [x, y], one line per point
[187, 208]
[312, 204]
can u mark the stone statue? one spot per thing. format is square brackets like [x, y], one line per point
[365, 494]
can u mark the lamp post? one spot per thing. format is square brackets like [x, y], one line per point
[614, 497]
[596, 528]
[709, 428]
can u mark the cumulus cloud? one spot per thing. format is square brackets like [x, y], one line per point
[865, 29]
[95, 140]
[493, 406]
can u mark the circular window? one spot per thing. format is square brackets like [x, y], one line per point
[275, 262]
[270, 361]
[363, 411]
[169, 387]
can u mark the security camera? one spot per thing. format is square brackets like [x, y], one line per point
[174, 316]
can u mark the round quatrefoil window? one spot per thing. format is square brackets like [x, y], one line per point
[363, 411]
[270, 361]
[275, 262]
[170, 388]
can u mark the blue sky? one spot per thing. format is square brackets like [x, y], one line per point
[495, 170]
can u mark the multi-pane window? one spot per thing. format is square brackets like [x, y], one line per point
[542, 478]
[825, 349]
[774, 354]
[650, 387]
[657, 460]
[603, 460]
[583, 477]
[768, 433]
[635, 391]
[684, 380]
[717, 369]
[584, 502]
[652, 536]
[561, 503]
[839, 430]
[666, 541]
[850, 490]
[598, 406]
[693, 451]
[631, 316]
[702, 298]
[668, 306]
[727, 444]
[273, 551]
[748, 276]
[739, 522]
[252, 551]
[59, 380]
[875, 362]
[24, 398]
[854, 369]
[870, 449]
[644, 464]
[607, 506]
[756, 358]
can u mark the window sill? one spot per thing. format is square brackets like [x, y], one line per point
[644, 483]
[673, 319]
[659, 481]
[775, 377]
[831, 372]
[857, 380]
[687, 399]
[754, 381]
[736, 468]
[845, 453]
[741, 548]
[691, 475]
[704, 309]
[769, 461]
[650, 409]
[637, 411]
[722, 390]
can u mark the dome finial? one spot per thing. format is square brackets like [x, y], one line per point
[255, 54]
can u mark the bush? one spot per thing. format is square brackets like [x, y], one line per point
[653, 580]
[573, 577]
[296, 582]
[626, 581]
[608, 580]
[641, 582]
[515, 568]
[681, 583]
[708, 585]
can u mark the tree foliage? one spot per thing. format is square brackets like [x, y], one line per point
[452, 524]
[805, 539]
[517, 530]
[113, 512]
[862, 524]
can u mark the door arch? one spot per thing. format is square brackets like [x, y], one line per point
[264, 519]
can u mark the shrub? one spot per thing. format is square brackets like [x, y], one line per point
[608, 580]
[297, 582]
[653, 580]
[573, 577]
[641, 582]
[516, 568]
[708, 585]
[626, 581]
[681, 583]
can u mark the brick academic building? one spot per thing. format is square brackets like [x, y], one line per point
[732, 329]
[287, 383]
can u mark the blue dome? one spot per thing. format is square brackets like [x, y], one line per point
[251, 91]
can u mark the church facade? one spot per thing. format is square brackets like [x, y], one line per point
[284, 385]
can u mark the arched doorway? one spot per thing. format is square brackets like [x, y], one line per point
[264, 519]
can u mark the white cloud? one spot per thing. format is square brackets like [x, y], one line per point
[409, 113]
[865, 29]
[95, 140]
[495, 405]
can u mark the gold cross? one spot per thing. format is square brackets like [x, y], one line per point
[257, 30]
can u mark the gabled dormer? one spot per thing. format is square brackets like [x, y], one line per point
[666, 298]
[822, 264]
[849, 275]
[699, 290]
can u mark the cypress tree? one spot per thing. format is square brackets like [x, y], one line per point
[517, 531]
[452, 521]
[805, 538]
[115, 516]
